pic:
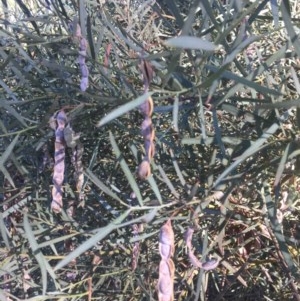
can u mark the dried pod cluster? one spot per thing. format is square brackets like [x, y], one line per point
[72, 141]
[58, 123]
[136, 230]
[166, 266]
[147, 129]
[65, 136]
[81, 59]
[208, 265]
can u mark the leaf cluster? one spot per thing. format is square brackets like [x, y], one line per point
[226, 116]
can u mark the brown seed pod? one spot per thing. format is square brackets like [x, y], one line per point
[61, 119]
[144, 169]
[84, 70]
[188, 237]
[208, 265]
[166, 275]
[166, 266]
[165, 251]
[59, 164]
[84, 83]
[65, 136]
[147, 130]
[147, 72]
[166, 235]
[149, 149]
[146, 108]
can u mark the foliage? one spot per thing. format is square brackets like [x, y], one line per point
[226, 116]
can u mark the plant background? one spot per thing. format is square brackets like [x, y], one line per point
[227, 137]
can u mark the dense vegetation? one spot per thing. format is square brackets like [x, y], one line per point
[225, 125]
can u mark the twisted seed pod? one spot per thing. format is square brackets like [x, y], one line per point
[166, 266]
[65, 136]
[209, 264]
[146, 108]
[144, 169]
[166, 279]
[166, 240]
[83, 44]
[148, 134]
[59, 162]
[79, 177]
[147, 129]
[72, 141]
[137, 229]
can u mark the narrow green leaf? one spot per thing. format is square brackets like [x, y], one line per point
[124, 109]
[296, 79]
[232, 55]
[188, 42]
[43, 263]
[155, 188]
[5, 156]
[288, 104]
[3, 295]
[289, 26]
[3, 231]
[281, 165]
[244, 81]
[202, 118]
[197, 140]
[11, 110]
[208, 12]
[103, 232]
[275, 12]
[276, 227]
[218, 133]
[7, 176]
[174, 9]
[102, 186]
[177, 169]
[168, 182]
[27, 12]
[126, 169]
[254, 148]
[82, 17]
[257, 10]
[175, 113]
[259, 70]
[143, 236]
[232, 270]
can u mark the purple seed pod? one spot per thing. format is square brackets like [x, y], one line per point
[150, 149]
[144, 170]
[166, 234]
[165, 285]
[166, 267]
[84, 70]
[59, 135]
[82, 53]
[52, 122]
[84, 83]
[147, 129]
[146, 108]
[83, 44]
[210, 264]
[61, 119]
[188, 237]
[165, 251]
[194, 260]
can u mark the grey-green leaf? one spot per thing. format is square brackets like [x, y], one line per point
[187, 42]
